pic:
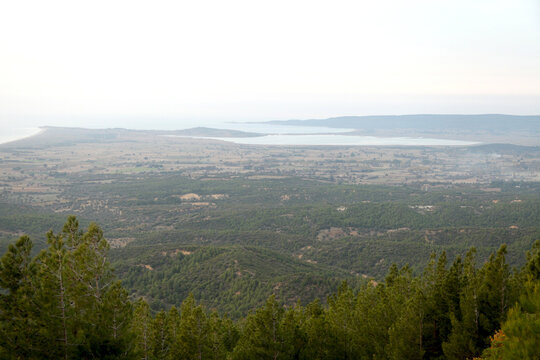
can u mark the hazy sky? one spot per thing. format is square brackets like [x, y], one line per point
[99, 60]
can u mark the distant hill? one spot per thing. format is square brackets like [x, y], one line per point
[488, 122]
[68, 136]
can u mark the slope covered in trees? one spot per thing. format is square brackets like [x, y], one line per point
[66, 303]
[231, 279]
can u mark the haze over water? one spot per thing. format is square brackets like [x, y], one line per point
[339, 140]
[276, 135]
[10, 133]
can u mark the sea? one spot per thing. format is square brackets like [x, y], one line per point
[12, 133]
[338, 140]
[274, 135]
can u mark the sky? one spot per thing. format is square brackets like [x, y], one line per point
[155, 63]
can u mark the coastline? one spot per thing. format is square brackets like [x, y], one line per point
[19, 135]
[334, 140]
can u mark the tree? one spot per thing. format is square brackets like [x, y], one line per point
[91, 280]
[464, 338]
[321, 342]
[18, 311]
[56, 294]
[263, 336]
[116, 322]
[161, 338]
[193, 331]
[406, 333]
[61, 303]
[342, 322]
[522, 326]
[173, 330]
[493, 295]
[520, 334]
[222, 336]
[141, 324]
[494, 352]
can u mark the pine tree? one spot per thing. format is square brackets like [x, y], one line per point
[292, 327]
[91, 280]
[230, 333]
[522, 327]
[141, 324]
[531, 270]
[219, 331]
[406, 333]
[116, 321]
[453, 285]
[441, 289]
[407, 302]
[321, 342]
[493, 295]
[64, 301]
[193, 330]
[262, 336]
[464, 338]
[173, 330]
[521, 330]
[57, 296]
[18, 310]
[161, 340]
[342, 322]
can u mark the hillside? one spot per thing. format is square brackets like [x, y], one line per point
[70, 292]
[486, 128]
[230, 279]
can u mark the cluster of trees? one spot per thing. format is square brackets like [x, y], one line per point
[66, 303]
[63, 303]
[230, 279]
[236, 271]
[250, 203]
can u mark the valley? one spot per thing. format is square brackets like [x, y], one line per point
[243, 221]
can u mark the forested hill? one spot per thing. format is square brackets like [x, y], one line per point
[66, 303]
[439, 122]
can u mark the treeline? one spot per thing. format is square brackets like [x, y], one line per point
[66, 303]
